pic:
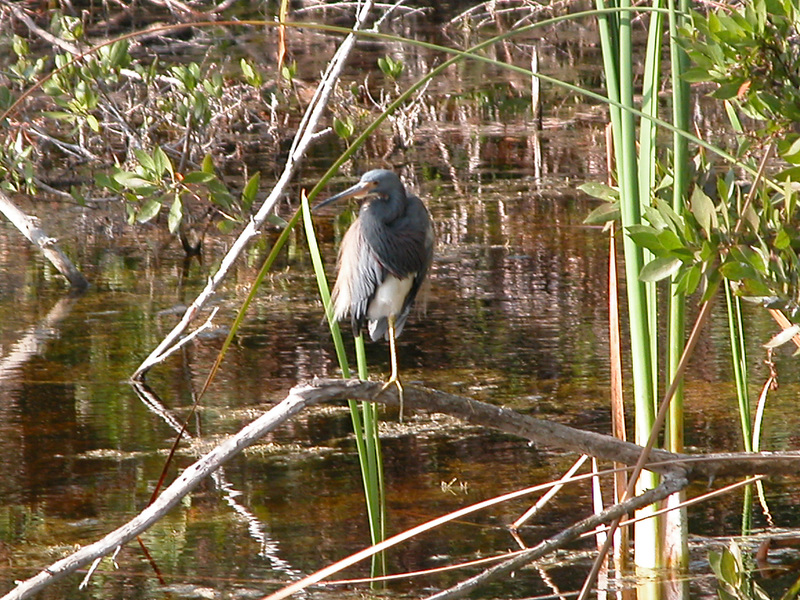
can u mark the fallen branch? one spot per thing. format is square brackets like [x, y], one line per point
[28, 226]
[675, 466]
[669, 486]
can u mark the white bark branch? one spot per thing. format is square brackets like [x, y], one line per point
[303, 139]
[30, 229]
[676, 467]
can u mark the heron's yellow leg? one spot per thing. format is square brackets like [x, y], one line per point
[394, 379]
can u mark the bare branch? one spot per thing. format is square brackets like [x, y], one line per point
[303, 139]
[676, 467]
[30, 229]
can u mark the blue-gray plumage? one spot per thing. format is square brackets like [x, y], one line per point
[384, 258]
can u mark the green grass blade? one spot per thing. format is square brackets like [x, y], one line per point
[366, 434]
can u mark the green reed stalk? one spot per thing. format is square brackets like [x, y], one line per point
[677, 527]
[367, 440]
[739, 357]
[615, 36]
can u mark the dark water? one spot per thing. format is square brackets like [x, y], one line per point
[516, 314]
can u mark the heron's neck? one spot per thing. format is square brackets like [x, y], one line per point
[383, 208]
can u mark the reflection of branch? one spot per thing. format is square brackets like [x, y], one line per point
[31, 343]
[676, 467]
[303, 138]
[269, 547]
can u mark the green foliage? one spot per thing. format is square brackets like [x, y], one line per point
[750, 51]
[16, 167]
[104, 105]
[289, 71]
[606, 212]
[733, 579]
[153, 182]
[390, 67]
[344, 128]
[252, 76]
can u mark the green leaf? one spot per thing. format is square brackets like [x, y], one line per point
[696, 75]
[704, 211]
[654, 217]
[604, 213]
[671, 218]
[247, 69]
[175, 214]
[344, 129]
[198, 177]
[790, 150]
[274, 219]
[714, 560]
[220, 194]
[746, 254]
[252, 76]
[104, 181]
[693, 276]
[250, 191]
[736, 271]
[645, 237]
[792, 173]
[208, 164]
[782, 239]
[134, 182]
[161, 162]
[144, 159]
[726, 91]
[118, 54]
[149, 210]
[670, 240]
[660, 268]
[288, 71]
[93, 123]
[59, 115]
[226, 226]
[711, 284]
[601, 191]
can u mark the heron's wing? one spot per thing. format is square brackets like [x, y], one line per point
[404, 246]
[405, 250]
[359, 274]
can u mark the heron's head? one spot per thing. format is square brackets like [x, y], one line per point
[378, 182]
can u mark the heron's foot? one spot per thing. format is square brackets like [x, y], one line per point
[394, 380]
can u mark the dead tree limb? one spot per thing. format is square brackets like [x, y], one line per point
[669, 486]
[305, 135]
[675, 467]
[28, 226]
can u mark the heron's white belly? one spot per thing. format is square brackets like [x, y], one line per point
[389, 297]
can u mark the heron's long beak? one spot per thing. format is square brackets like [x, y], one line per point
[357, 191]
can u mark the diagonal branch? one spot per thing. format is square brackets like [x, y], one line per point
[669, 486]
[676, 467]
[305, 135]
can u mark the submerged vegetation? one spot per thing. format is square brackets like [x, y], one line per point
[169, 124]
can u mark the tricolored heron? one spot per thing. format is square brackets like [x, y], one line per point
[383, 260]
